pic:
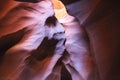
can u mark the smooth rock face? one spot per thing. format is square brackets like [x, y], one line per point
[103, 29]
[100, 18]
[23, 22]
[91, 55]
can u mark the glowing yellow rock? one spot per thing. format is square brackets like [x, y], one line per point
[59, 8]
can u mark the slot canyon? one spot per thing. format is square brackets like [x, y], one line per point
[59, 40]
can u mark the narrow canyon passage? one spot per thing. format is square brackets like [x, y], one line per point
[99, 37]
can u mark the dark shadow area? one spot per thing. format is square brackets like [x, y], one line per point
[65, 75]
[66, 2]
[10, 40]
[46, 49]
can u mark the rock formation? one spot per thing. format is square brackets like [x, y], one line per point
[90, 51]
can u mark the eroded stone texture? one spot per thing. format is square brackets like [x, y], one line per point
[25, 17]
[100, 19]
